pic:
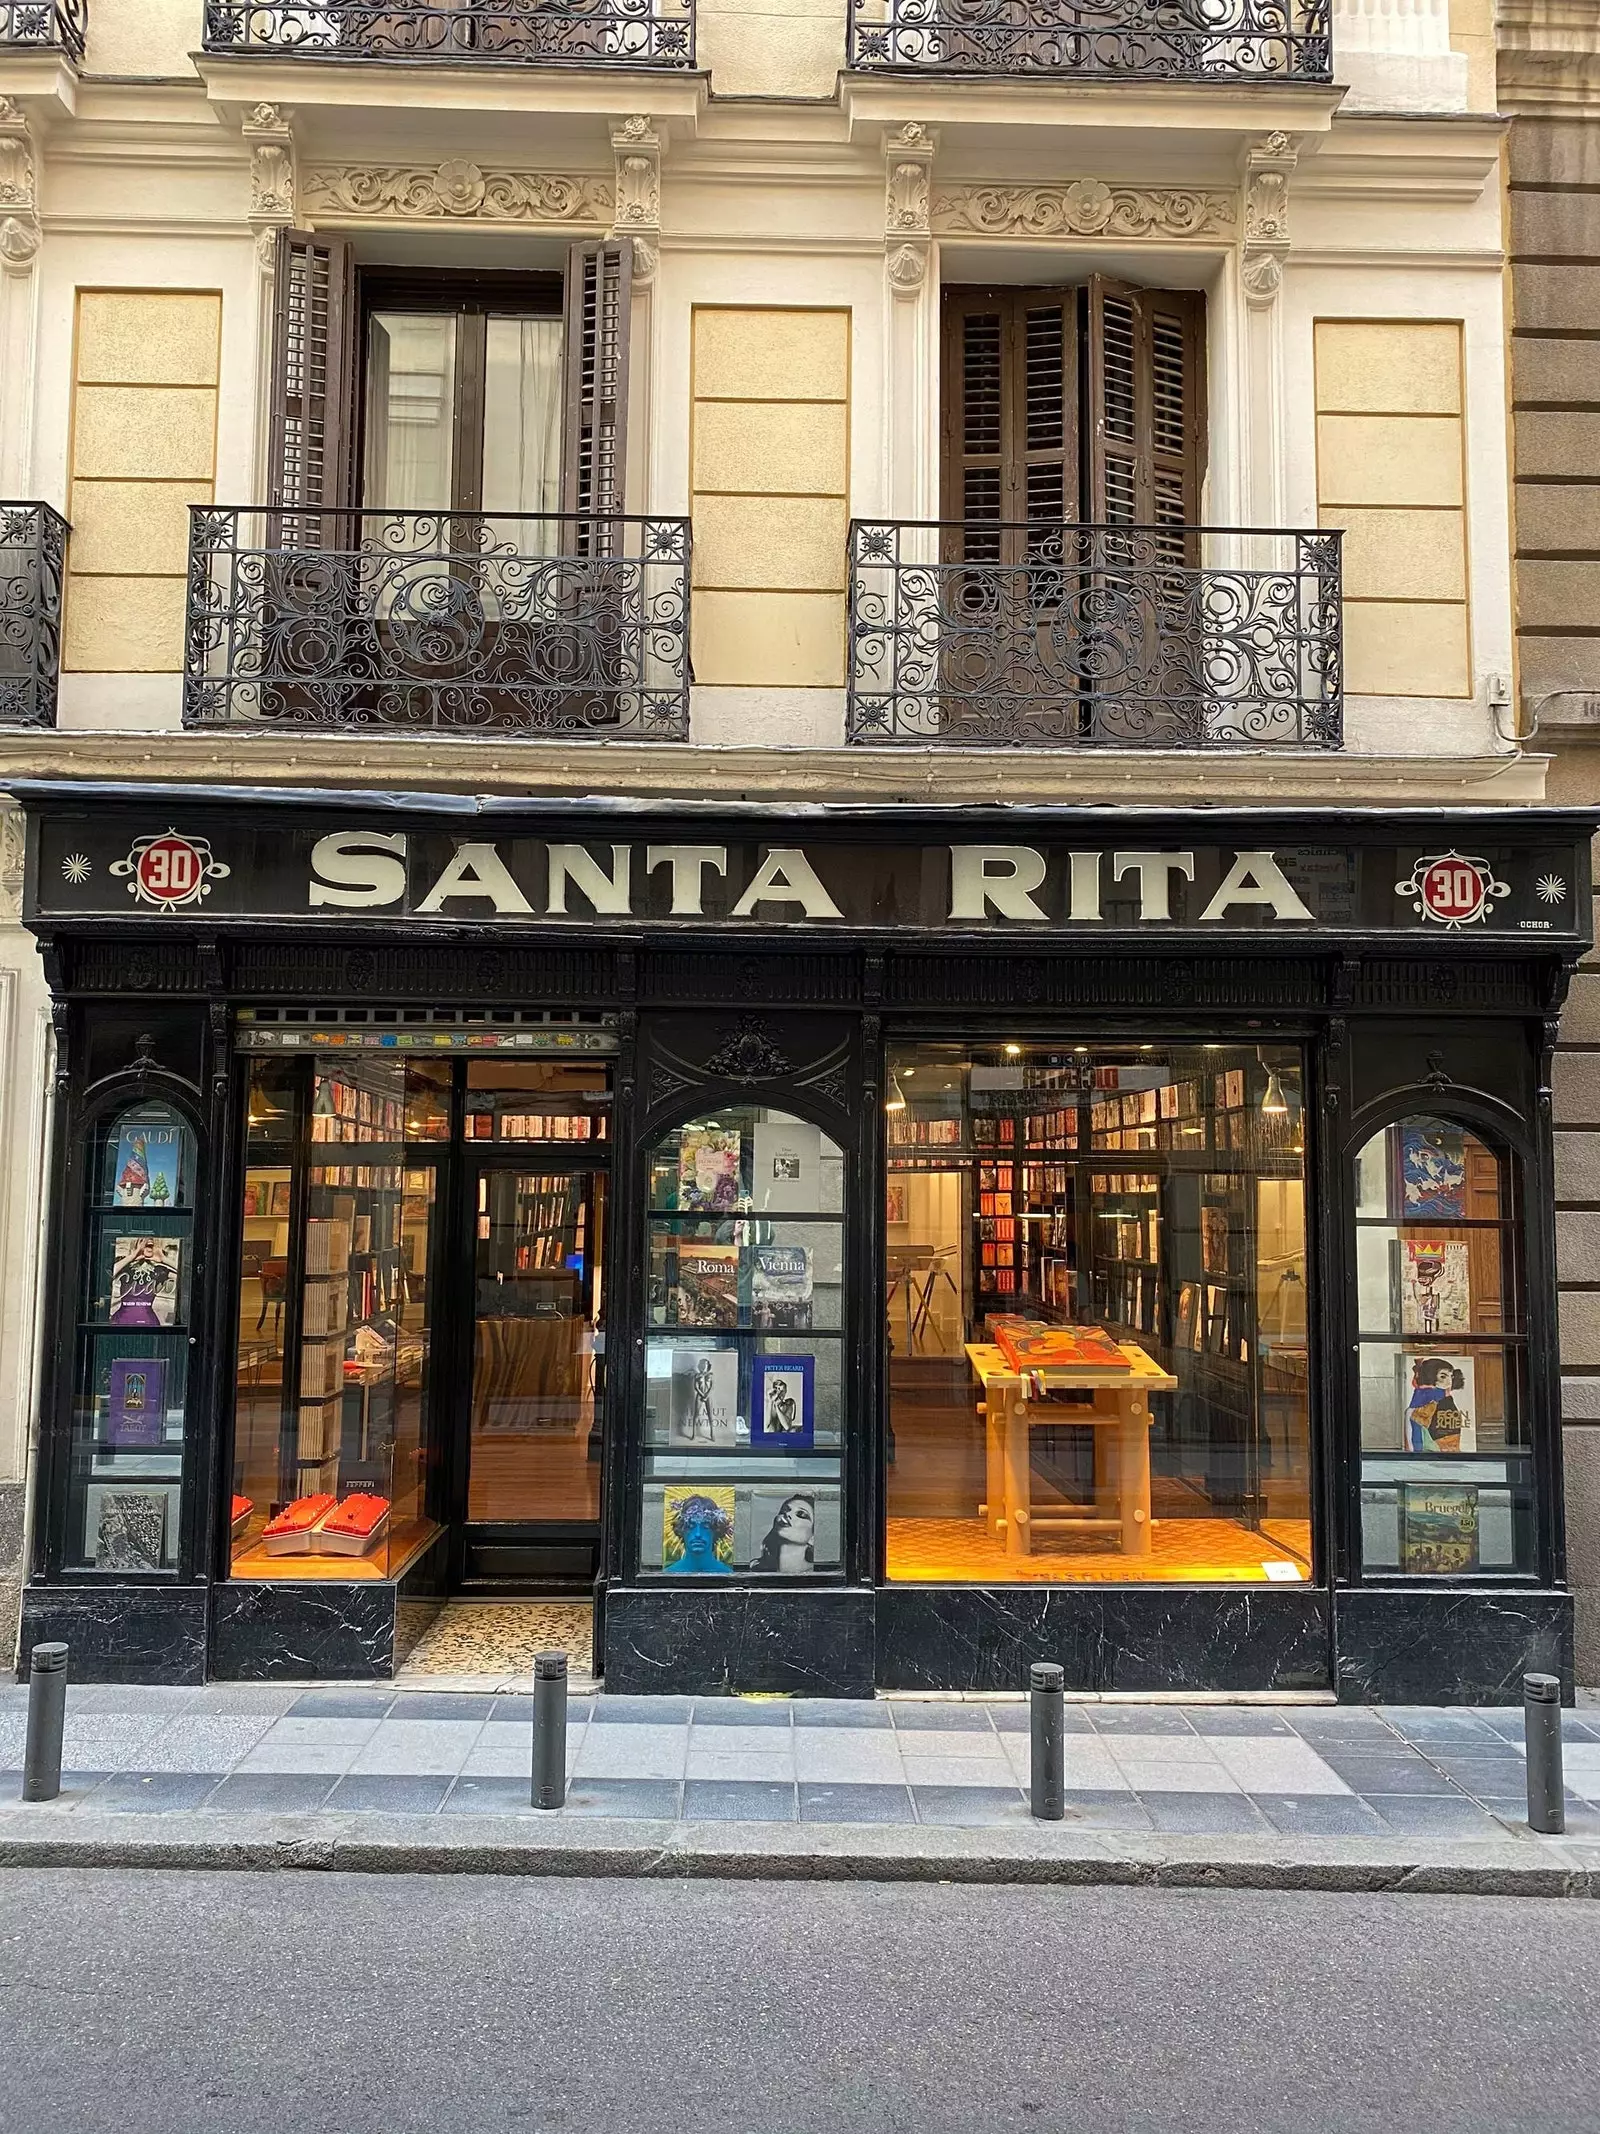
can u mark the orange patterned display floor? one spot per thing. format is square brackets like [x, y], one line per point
[963, 1551]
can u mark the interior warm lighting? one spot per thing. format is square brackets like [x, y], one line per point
[1274, 1104]
[1013, 1051]
[896, 1101]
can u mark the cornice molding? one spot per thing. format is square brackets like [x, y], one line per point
[455, 191]
[1084, 207]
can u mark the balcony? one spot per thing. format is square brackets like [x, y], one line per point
[1225, 41]
[43, 26]
[439, 622]
[33, 547]
[618, 34]
[1052, 636]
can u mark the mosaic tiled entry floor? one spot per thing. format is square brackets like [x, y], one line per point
[493, 1644]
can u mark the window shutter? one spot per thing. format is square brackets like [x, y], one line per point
[1010, 414]
[313, 366]
[595, 437]
[1146, 406]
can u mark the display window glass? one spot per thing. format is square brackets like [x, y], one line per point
[1097, 1285]
[743, 1395]
[131, 1383]
[338, 1270]
[1446, 1454]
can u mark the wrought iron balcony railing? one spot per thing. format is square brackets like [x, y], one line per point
[460, 622]
[1052, 636]
[33, 549]
[573, 33]
[44, 25]
[1162, 40]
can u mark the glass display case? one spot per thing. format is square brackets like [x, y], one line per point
[131, 1379]
[744, 1416]
[1446, 1451]
[337, 1277]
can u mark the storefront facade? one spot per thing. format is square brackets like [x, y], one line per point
[491, 1196]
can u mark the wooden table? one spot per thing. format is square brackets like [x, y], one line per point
[1117, 1409]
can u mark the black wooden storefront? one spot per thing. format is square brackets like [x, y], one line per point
[1395, 1005]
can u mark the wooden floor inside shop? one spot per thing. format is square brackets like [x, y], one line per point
[1182, 1552]
[401, 1547]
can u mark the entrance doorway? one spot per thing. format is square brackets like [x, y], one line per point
[532, 1440]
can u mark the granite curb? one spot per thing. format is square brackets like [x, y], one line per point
[513, 1845]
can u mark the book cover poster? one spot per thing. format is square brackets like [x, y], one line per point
[147, 1168]
[1441, 1411]
[126, 1528]
[1438, 1529]
[144, 1280]
[783, 1402]
[1186, 1333]
[1214, 1240]
[1433, 1172]
[697, 1531]
[780, 1286]
[708, 1170]
[794, 1531]
[137, 1410]
[786, 1166]
[705, 1396]
[1435, 1287]
[708, 1284]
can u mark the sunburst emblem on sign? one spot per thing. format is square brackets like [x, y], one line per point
[76, 868]
[1550, 889]
[170, 870]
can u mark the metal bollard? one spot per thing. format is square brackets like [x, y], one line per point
[47, 1715]
[1045, 1682]
[549, 1729]
[1541, 1724]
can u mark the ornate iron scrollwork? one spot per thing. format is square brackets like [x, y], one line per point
[561, 624]
[1162, 40]
[572, 33]
[47, 25]
[1052, 635]
[33, 547]
[749, 1054]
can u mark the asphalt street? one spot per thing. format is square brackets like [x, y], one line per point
[163, 2002]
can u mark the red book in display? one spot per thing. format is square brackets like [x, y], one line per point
[289, 1534]
[1029, 1345]
[353, 1527]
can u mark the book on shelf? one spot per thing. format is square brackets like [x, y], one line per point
[144, 1280]
[136, 1412]
[1438, 1528]
[705, 1396]
[707, 1289]
[146, 1168]
[708, 1169]
[780, 1286]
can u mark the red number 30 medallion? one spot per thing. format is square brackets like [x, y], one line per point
[1451, 890]
[170, 871]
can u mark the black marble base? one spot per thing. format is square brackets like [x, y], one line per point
[663, 1642]
[119, 1633]
[278, 1630]
[1439, 1647]
[1128, 1638]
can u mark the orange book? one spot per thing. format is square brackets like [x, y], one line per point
[1029, 1345]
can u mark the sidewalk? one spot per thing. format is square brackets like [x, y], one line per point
[259, 1775]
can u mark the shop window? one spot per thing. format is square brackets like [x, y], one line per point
[338, 1268]
[743, 1424]
[1136, 1213]
[1446, 1455]
[131, 1381]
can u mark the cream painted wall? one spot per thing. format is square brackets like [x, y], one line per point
[1390, 471]
[143, 37]
[144, 448]
[790, 48]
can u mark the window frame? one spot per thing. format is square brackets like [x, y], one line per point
[1503, 1133]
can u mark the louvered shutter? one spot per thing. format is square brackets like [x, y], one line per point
[313, 366]
[1010, 408]
[595, 434]
[1146, 407]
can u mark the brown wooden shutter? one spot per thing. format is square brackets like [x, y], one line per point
[1146, 415]
[595, 434]
[313, 369]
[1010, 415]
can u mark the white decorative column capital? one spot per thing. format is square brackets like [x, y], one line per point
[19, 191]
[908, 153]
[1268, 165]
[638, 148]
[270, 139]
